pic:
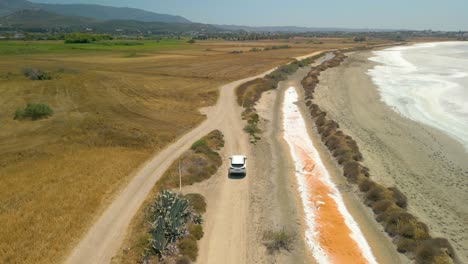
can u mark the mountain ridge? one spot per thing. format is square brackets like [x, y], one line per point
[98, 12]
[38, 20]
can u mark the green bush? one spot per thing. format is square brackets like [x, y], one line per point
[198, 144]
[276, 240]
[196, 231]
[252, 129]
[36, 75]
[34, 111]
[188, 247]
[84, 38]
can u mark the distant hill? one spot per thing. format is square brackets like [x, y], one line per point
[97, 12]
[9, 6]
[38, 20]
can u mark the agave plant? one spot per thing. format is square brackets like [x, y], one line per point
[168, 217]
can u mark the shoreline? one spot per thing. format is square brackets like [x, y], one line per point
[424, 163]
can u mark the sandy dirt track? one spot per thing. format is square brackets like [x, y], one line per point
[229, 244]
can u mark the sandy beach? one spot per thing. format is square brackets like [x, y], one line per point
[429, 167]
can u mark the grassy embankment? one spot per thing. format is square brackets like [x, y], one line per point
[114, 105]
[197, 164]
[389, 205]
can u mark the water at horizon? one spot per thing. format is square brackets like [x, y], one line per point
[427, 83]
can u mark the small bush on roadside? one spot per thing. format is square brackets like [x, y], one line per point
[197, 201]
[352, 170]
[36, 75]
[406, 245]
[196, 231]
[255, 49]
[276, 240]
[392, 212]
[366, 184]
[34, 111]
[411, 228]
[198, 144]
[435, 250]
[251, 129]
[399, 197]
[381, 206]
[188, 247]
[376, 193]
[183, 260]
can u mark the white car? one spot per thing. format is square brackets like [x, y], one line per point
[238, 164]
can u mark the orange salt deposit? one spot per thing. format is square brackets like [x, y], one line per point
[332, 234]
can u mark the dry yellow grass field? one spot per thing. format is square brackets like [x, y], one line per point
[114, 107]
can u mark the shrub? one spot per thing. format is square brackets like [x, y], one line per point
[183, 260]
[411, 228]
[196, 231]
[365, 171]
[252, 129]
[352, 170]
[435, 250]
[36, 75]
[198, 144]
[34, 111]
[366, 184]
[376, 193]
[392, 212]
[276, 240]
[381, 206]
[399, 197]
[85, 38]
[360, 39]
[406, 245]
[197, 201]
[188, 247]
[215, 140]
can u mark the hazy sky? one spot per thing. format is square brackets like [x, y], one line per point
[395, 14]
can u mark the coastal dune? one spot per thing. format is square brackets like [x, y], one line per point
[428, 166]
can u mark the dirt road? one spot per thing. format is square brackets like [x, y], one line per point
[227, 231]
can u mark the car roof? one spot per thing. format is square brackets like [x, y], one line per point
[237, 159]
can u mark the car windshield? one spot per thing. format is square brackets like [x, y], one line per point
[237, 165]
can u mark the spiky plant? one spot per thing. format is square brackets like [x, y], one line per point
[168, 216]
